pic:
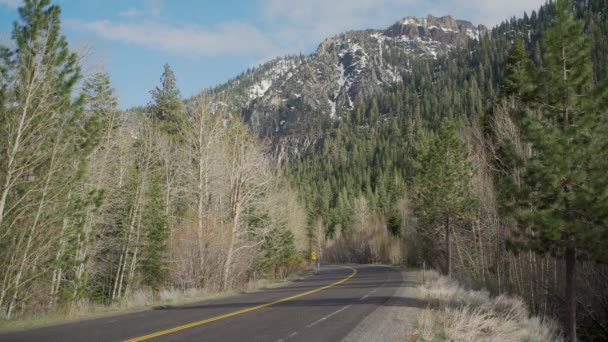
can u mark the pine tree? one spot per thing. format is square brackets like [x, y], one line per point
[561, 203]
[167, 107]
[4, 73]
[101, 119]
[442, 182]
[45, 142]
[154, 251]
[518, 70]
[101, 102]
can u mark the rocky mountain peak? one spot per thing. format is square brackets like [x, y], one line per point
[289, 98]
[444, 29]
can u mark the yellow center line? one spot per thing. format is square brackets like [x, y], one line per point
[239, 312]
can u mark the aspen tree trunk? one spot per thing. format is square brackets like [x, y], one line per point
[30, 238]
[11, 268]
[11, 168]
[571, 293]
[114, 295]
[448, 248]
[124, 258]
[58, 272]
[235, 212]
[81, 256]
[229, 256]
[482, 259]
[202, 174]
[135, 254]
[531, 273]
[7, 280]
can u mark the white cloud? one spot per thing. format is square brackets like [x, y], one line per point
[306, 22]
[339, 12]
[130, 12]
[229, 38]
[487, 12]
[10, 3]
[289, 26]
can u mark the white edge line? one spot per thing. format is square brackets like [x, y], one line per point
[328, 316]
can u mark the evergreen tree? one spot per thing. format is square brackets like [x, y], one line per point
[4, 73]
[101, 101]
[443, 184]
[154, 251]
[561, 202]
[517, 70]
[44, 144]
[167, 107]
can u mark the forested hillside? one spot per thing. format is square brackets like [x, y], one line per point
[429, 157]
[479, 152]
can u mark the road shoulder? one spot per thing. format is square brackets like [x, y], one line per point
[395, 319]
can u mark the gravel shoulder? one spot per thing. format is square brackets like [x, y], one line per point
[396, 318]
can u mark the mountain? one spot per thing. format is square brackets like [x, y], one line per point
[294, 97]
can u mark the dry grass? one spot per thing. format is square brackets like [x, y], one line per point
[458, 314]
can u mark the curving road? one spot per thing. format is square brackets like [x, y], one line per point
[323, 307]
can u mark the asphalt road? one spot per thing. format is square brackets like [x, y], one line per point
[323, 307]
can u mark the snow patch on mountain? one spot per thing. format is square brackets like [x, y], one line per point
[332, 105]
[423, 22]
[259, 89]
[279, 69]
[473, 34]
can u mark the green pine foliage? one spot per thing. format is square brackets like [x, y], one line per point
[279, 253]
[561, 193]
[442, 184]
[560, 200]
[155, 225]
[101, 103]
[45, 142]
[167, 106]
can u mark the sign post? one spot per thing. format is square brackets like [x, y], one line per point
[313, 258]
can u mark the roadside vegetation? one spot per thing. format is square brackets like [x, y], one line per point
[458, 314]
[101, 207]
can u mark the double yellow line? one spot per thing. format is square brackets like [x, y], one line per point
[239, 312]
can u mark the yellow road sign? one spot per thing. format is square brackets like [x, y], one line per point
[313, 256]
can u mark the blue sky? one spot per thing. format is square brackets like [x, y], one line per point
[207, 42]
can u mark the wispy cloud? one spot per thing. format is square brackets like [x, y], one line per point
[229, 38]
[10, 3]
[487, 12]
[286, 26]
[130, 12]
[308, 22]
[312, 20]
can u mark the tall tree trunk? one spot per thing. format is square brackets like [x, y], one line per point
[202, 173]
[134, 257]
[32, 231]
[58, 271]
[448, 247]
[571, 293]
[570, 255]
[11, 168]
[115, 293]
[230, 250]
